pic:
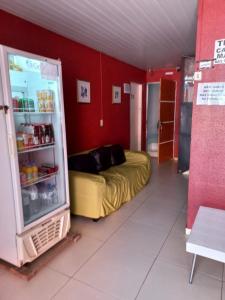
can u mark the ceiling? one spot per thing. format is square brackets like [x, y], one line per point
[143, 33]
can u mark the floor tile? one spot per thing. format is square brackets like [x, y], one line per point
[180, 225]
[155, 216]
[171, 283]
[130, 207]
[43, 286]
[71, 258]
[100, 230]
[139, 237]
[174, 252]
[116, 271]
[75, 290]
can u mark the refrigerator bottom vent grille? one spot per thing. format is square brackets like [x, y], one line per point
[46, 235]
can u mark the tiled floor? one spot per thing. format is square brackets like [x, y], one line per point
[136, 253]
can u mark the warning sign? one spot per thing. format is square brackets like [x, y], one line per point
[211, 93]
[219, 52]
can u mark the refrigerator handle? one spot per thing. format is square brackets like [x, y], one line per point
[5, 108]
[11, 146]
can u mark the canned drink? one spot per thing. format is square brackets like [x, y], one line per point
[41, 105]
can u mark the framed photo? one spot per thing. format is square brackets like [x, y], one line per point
[116, 94]
[83, 91]
[126, 88]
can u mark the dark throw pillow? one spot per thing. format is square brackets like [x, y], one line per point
[83, 163]
[117, 155]
[102, 158]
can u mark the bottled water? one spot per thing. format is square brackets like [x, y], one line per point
[34, 200]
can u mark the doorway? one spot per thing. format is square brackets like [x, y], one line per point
[135, 116]
[160, 119]
[153, 90]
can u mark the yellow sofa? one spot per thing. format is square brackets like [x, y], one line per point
[96, 196]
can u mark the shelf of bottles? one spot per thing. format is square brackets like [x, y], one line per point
[33, 102]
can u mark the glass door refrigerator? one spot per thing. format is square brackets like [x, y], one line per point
[34, 213]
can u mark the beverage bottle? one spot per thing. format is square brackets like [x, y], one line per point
[34, 171]
[43, 141]
[19, 141]
[52, 100]
[51, 133]
[41, 133]
[42, 194]
[23, 178]
[42, 104]
[47, 103]
[29, 173]
[54, 194]
[30, 133]
[47, 134]
[45, 99]
[39, 100]
[24, 170]
[24, 134]
[36, 135]
[49, 194]
[34, 200]
[26, 204]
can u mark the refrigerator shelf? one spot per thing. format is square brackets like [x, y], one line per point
[37, 148]
[39, 179]
[21, 113]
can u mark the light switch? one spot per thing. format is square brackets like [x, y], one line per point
[198, 76]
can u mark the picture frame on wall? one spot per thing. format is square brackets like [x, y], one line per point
[116, 94]
[83, 91]
[126, 88]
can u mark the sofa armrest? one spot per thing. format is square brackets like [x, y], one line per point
[86, 193]
[137, 156]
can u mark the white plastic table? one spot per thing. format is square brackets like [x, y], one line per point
[207, 236]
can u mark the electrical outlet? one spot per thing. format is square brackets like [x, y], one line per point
[101, 123]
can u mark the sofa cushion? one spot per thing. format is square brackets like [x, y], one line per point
[102, 158]
[117, 155]
[83, 163]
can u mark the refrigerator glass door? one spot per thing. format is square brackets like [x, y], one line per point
[35, 99]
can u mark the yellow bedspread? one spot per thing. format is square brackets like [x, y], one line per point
[96, 196]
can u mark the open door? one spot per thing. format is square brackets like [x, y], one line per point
[166, 120]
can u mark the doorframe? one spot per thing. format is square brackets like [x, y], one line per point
[146, 113]
[174, 117]
[141, 112]
[175, 111]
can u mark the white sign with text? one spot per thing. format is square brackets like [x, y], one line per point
[211, 93]
[219, 52]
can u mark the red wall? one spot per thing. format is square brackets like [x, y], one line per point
[207, 167]
[155, 76]
[80, 62]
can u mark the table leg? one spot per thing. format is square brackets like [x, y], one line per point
[192, 268]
